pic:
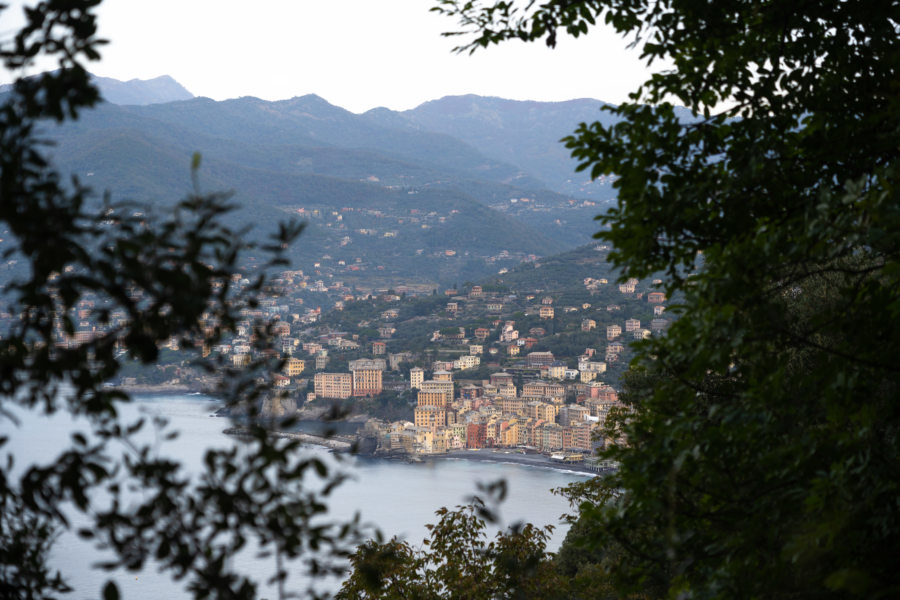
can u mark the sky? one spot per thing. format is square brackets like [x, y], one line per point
[357, 54]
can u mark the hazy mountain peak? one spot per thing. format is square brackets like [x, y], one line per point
[141, 91]
[310, 102]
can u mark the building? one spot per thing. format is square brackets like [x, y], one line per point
[656, 297]
[476, 435]
[368, 363]
[509, 334]
[333, 385]
[556, 370]
[395, 359]
[430, 416]
[441, 365]
[507, 391]
[432, 398]
[378, 348]
[311, 347]
[467, 361]
[545, 389]
[471, 392]
[577, 437]
[482, 333]
[551, 437]
[501, 378]
[444, 387]
[541, 411]
[443, 376]
[613, 331]
[366, 376]
[546, 312]
[416, 377]
[632, 325]
[573, 414]
[586, 376]
[539, 359]
[294, 366]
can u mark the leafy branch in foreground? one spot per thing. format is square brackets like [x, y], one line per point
[457, 561]
[145, 281]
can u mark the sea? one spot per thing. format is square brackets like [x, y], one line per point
[397, 498]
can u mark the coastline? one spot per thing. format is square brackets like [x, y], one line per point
[340, 443]
[498, 455]
[161, 388]
[495, 455]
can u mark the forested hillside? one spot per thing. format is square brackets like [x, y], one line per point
[383, 202]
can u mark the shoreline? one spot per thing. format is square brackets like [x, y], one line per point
[140, 389]
[497, 455]
[340, 444]
[337, 444]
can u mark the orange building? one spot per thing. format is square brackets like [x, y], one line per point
[366, 377]
[333, 385]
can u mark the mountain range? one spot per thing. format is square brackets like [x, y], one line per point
[455, 189]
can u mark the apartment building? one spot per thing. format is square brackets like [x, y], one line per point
[333, 385]
[367, 375]
[416, 377]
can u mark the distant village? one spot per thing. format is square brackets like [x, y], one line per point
[428, 371]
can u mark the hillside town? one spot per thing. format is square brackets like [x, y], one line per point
[425, 373]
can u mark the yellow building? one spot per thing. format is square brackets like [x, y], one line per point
[294, 366]
[586, 376]
[429, 416]
[510, 435]
[541, 411]
[434, 398]
[445, 387]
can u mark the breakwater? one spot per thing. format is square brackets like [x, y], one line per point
[336, 443]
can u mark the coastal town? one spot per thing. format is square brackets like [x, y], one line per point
[430, 371]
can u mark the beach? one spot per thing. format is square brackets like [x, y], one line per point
[512, 457]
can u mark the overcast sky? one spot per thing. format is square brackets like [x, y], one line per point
[357, 54]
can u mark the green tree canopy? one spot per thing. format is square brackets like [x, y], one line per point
[762, 435]
[457, 561]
